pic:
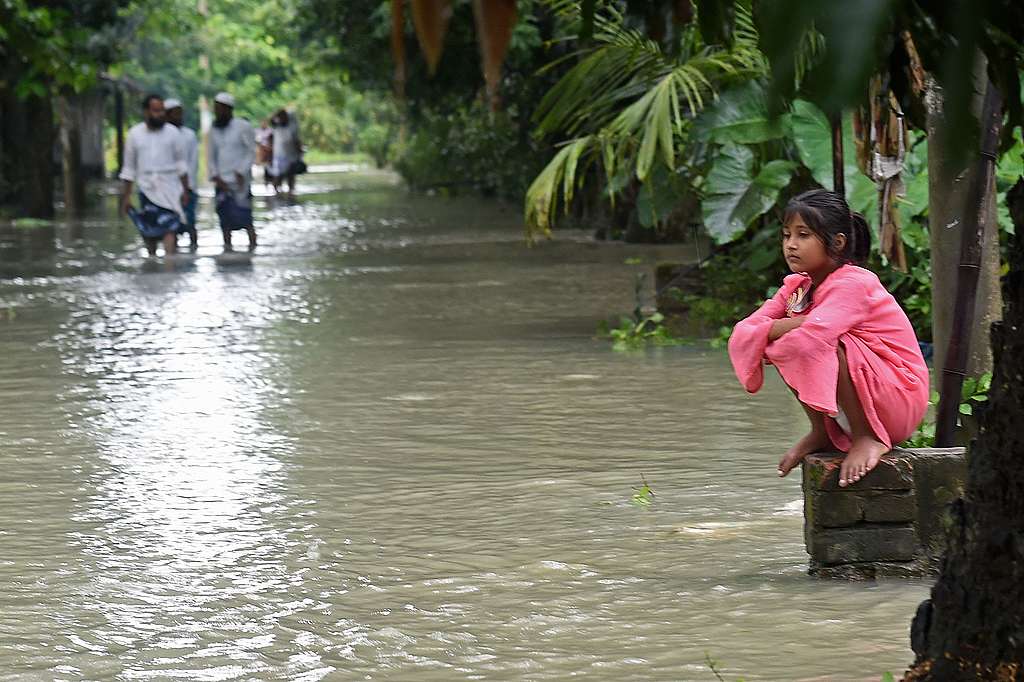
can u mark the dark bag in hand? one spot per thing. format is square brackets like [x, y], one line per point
[297, 168]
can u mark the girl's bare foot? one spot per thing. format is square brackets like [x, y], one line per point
[812, 442]
[862, 458]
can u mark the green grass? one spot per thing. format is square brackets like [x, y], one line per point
[317, 157]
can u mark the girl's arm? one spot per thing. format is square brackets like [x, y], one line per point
[751, 336]
[782, 327]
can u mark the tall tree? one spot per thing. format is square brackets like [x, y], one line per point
[46, 45]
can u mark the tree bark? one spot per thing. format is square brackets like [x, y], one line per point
[71, 159]
[973, 625]
[26, 166]
[947, 194]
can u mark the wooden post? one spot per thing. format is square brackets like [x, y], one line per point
[119, 126]
[838, 181]
[974, 216]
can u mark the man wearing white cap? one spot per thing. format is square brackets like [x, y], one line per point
[154, 160]
[175, 116]
[231, 153]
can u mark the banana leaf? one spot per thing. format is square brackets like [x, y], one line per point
[734, 196]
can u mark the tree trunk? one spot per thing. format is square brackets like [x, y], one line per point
[37, 158]
[119, 125]
[26, 166]
[973, 625]
[71, 159]
[947, 194]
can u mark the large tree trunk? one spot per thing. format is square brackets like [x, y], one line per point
[26, 166]
[973, 625]
[947, 192]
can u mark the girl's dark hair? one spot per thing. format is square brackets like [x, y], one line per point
[827, 214]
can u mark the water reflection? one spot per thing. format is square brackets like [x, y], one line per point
[187, 470]
[26, 247]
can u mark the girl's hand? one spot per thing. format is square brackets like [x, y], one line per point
[782, 327]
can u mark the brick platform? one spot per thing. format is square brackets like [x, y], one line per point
[888, 524]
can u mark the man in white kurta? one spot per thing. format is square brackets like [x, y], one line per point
[154, 159]
[176, 116]
[232, 150]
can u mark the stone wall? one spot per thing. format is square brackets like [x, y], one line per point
[888, 524]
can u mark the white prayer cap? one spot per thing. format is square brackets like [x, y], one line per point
[225, 99]
[171, 103]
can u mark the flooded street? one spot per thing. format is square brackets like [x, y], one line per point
[390, 447]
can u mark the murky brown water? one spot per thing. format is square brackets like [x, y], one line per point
[389, 447]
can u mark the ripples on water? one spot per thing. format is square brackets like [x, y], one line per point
[389, 447]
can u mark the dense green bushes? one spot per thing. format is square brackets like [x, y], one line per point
[469, 148]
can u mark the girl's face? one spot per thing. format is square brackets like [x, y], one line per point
[803, 249]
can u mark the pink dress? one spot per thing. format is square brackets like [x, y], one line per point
[853, 308]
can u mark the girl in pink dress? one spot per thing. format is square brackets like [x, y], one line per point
[838, 339]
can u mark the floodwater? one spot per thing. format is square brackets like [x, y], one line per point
[390, 447]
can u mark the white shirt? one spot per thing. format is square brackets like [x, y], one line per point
[232, 150]
[155, 161]
[152, 151]
[191, 144]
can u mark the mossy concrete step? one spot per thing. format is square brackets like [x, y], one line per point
[890, 523]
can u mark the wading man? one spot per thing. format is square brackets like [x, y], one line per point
[231, 153]
[175, 116]
[154, 159]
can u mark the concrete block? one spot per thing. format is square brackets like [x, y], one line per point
[892, 523]
[893, 472]
[835, 510]
[939, 478]
[890, 506]
[876, 570]
[863, 543]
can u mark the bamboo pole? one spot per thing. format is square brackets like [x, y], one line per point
[838, 181]
[974, 217]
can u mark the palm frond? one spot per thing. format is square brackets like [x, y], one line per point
[627, 101]
[558, 177]
[808, 53]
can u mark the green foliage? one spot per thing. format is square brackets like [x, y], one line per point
[375, 140]
[741, 116]
[634, 333]
[63, 42]
[627, 103]
[812, 136]
[644, 494]
[913, 289]
[736, 195]
[468, 148]
[737, 280]
[973, 392]
[254, 51]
